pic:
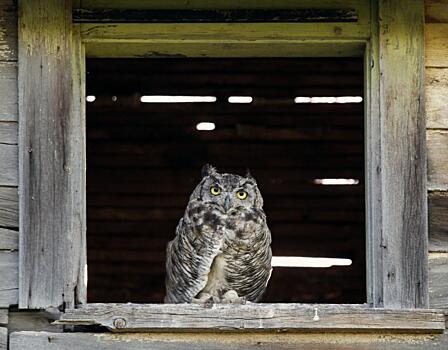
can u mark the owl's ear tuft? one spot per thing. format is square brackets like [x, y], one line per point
[208, 170]
[249, 175]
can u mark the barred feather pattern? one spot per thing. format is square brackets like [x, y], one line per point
[215, 250]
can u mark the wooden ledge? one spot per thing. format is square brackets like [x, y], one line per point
[253, 317]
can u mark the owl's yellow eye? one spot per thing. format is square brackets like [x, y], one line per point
[241, 195]
[215, 190]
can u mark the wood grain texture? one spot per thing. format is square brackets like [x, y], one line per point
[3, 317]
[438, 280]
[436, 45]
[403, 152]
[9, 239]
[362, 6]
[9, 170]
[221, 341]
[9, 207]
[8, 30]
[213, 16]
[9, 275]
[438, 221]
[51, 160]
[9, 133]
[436, 11]
[261, 317]
[437, 146]
[3, 338]
[209, 48]
[373, 176]
[8, 91]
[224, 39]
[39, 321]
[436, 92]
[3, 329]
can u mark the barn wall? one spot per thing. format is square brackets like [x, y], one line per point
[437, 140]
[437, 144]
[8, 164]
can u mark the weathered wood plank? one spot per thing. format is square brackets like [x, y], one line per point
[8, 30]
[437, 145]
[438, 221]
[436, 45]
[9, 277]
[9, 207]
[184, 317]
[3, 338]
[436, 91]
[403, 152]
[9, 239]
[3, 317]
[217, 32]
[438, 280]
[9, 169]
[436, 11]
[373, 176]
[9, 133]
[223, 39]
[361, 7]
[8, 91]
[299, 47]
[38, 321]
[213, 16]
[51, 158]
[230, 341]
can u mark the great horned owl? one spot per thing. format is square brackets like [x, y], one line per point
[221, 252]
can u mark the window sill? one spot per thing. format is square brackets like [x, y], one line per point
[253, 317]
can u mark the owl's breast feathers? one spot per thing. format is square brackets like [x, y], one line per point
[241, 238]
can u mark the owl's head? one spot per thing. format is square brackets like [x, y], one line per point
[228, 191]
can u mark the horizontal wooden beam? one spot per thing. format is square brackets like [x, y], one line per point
[438, 221]
[9, 207]
[436, 45]
[155, 40]
[252, 317]
[230, 341]
[437, 149]
[438, 280]
[213, 16]
[9, 277]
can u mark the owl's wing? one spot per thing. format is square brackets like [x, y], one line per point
[249, 259]
[189, 257]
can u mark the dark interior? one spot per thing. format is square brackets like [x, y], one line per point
[144, 159]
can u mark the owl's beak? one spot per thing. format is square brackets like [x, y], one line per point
[227, 203]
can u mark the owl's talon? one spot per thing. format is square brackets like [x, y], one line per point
[205, 299]
[231, 297]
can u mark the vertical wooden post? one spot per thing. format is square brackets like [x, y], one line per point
[51, 156]
[403, 154]
[372, 133]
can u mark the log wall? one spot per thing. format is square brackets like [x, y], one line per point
[436, 91]
[9, 221]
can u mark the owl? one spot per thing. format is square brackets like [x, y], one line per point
[221, 252]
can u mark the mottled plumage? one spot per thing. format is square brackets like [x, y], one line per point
[221, 251]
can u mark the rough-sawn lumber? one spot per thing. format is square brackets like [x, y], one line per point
[253, 317]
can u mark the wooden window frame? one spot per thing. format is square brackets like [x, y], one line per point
[52, 247]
